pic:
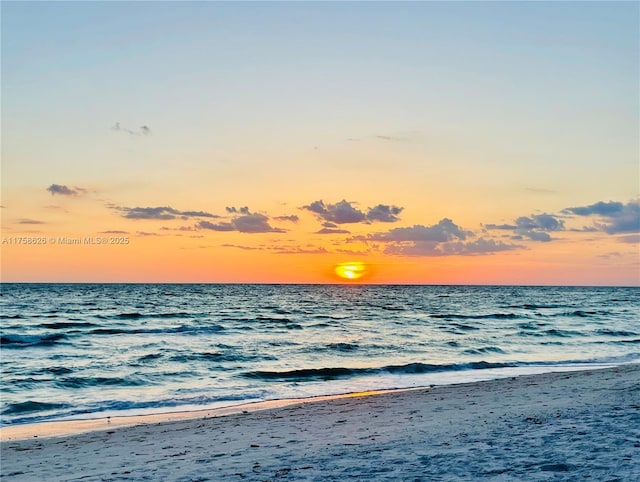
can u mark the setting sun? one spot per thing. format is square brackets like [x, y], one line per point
[351, 271]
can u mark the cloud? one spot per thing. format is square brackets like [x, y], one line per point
[237, 246]
[254, 223]
[30, 221]
[534, 236]
[279, 249]
[246, 223]
[406, 136]
[340, 213]
[535, 227]
[542, 222]
[445, 230]
[292, 218]
[63, 190]
[181, 228]
[352, 252]
[56, 208]
[332, 231]
[442, 239]
[344, 212]
[384, 213]
[392, 138]
[143, 130]
[215, 226]
[299, 250]
[479, 246]
[614, 217]
[610, 208]
[161, 212]
[114, 231]
[233, 210]
[631, 238]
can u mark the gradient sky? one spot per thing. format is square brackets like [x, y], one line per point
[483, 143]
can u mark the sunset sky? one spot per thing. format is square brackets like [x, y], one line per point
[453, 143]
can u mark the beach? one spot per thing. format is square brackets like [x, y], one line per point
[555, 426]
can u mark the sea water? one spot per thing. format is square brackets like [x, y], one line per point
[74, 351]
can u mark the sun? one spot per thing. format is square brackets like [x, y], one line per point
[351, 271]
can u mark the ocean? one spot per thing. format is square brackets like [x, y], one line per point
[73, 351]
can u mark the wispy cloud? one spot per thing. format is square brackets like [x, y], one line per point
[238, 246]
[63, 190]
[161, 213]
[291, 218]
[539, 190]
[299, 250]
[332, 231]
[631, 239]
[406, 136]
[29, 221]
[392, 138]
[344, 212]
[281, 249]
[142, 130]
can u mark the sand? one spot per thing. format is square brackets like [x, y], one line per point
[556, 426]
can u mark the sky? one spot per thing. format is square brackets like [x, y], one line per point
[278, 142]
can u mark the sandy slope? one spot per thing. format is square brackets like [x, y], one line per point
[557, 426]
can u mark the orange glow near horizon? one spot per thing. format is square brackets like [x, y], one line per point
[351, 271]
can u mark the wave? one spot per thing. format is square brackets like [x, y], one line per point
[61, 325]
[136, 315]
[87, 382]
[483, 350]
[219, 357]
[460, 326]
[343, 346]
[580, 314]
[176, 329]
[609, 332]
[492, 316]
[28, 412]
[30, 406]
[310, 374]
[562, 333]
[417, 368]
[535, 306]
[24, 341]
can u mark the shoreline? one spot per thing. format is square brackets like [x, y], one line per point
[569, 425]
[59, 428]
[75, 426]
